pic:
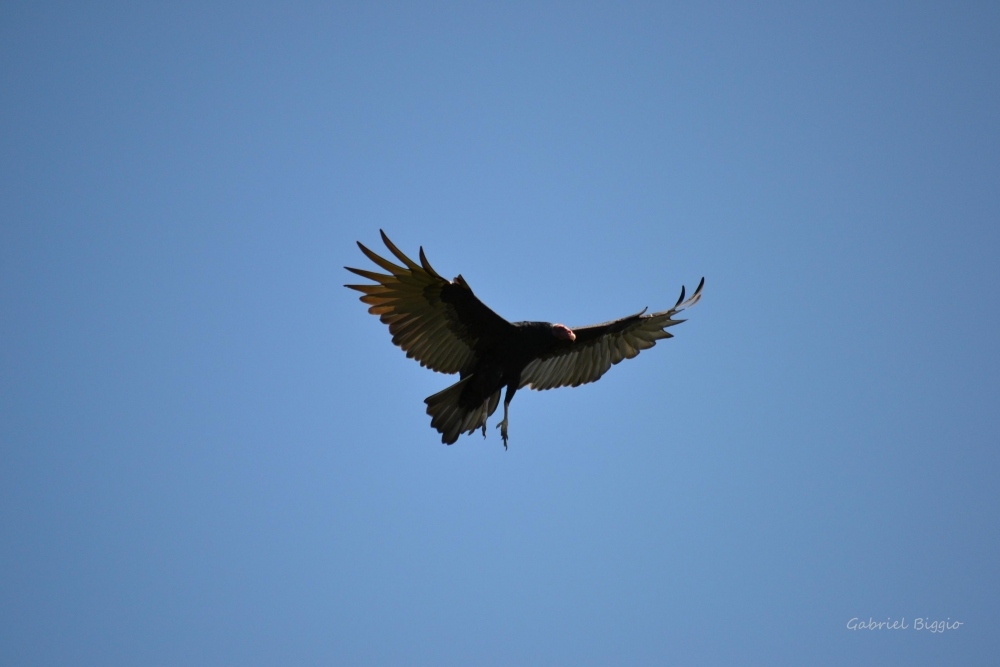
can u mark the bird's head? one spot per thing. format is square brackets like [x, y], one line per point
[563, 332]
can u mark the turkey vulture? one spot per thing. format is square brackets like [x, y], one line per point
[442, 324]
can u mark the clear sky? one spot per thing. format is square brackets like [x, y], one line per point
[212, 455]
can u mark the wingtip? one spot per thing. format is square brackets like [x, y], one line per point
[696, 297]
[697, 293]
[427, 265]
[400, 255]
[367, 251]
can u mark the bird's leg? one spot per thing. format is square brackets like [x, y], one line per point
[486, 414]
[503, 425]
[506, 405]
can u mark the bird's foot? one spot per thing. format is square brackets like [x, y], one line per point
[503, 431]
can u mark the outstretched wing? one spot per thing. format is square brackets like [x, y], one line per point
[438, 322]
[600, 346]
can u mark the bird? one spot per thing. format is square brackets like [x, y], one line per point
[444, 326]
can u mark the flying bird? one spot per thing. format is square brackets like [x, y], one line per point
[442, 324]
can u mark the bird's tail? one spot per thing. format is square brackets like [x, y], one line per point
[451, 417]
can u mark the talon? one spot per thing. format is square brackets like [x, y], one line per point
[503, 432]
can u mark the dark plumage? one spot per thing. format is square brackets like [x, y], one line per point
[443, 325]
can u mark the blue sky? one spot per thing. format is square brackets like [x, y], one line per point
[212, 455]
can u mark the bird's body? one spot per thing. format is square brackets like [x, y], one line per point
[445, 327]
[501, 366]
